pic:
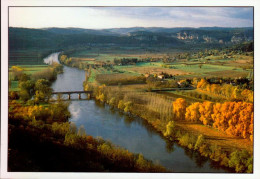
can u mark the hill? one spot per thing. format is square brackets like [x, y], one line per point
[59, 38]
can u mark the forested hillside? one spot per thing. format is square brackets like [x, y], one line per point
[58, 38]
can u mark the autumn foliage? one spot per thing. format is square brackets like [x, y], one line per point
[234, 118]
[227, 90]
[179, 108]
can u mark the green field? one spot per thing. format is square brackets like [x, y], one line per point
[14, 86]
[27, 57]
[27, 69]
[204, 68]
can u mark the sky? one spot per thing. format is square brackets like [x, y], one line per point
[118, 17]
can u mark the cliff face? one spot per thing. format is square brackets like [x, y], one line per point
[196, 36]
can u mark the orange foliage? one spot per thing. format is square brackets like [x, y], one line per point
[192, 112]
[179, 108]
[234, 118]
[227, 90]
[202, 83]
[205, 110]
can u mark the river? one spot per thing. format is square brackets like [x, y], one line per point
[131, 133]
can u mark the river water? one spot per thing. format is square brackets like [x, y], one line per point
[130, 133]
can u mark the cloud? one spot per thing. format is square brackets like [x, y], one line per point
[75, 111]
[109, 17]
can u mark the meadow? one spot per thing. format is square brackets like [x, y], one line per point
[27, 56]
[150, 62]
[27, 69]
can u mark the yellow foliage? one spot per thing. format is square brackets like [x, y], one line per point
[16, 69]
[192, 112]
[179, 108]
[202, 83]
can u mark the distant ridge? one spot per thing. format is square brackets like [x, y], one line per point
[54, 37]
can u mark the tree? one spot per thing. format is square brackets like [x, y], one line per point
[59, 111]
[73, 128]
[202, 83]
[128, 105]
[238, 159]
[247, 95]
[17, 72]
[27, 86]
[13, 95]
[170, 129]
[192, 112]
[82, 131]
[199, 142]
[43, 90]
[24, 95]
[121, 105]
[179, 108]
[206, 109]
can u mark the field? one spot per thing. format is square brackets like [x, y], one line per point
[215, 137]
[27, 69]
[27, 57]
[14, 86]
[208, 66]
[151, 68]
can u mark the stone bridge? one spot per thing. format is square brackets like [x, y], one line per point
[89, 93]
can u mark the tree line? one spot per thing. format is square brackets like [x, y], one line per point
[37, 84]
[234, 118]
[227, 90]
[162, 114]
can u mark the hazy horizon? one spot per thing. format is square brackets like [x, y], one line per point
[127, 17]
[127, 27]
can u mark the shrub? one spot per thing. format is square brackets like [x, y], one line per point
[61, 129]
[82, 131]
[204, 150]
[241, 160]
[13, 95]
[170, 129]
[70, 139]
[128, 105]
[215, 152]
[185, 140]
[121, 105]
[24, 95]
[199, 142]
[140, 162]
[73, 128]
[112, 101]
[104, 149]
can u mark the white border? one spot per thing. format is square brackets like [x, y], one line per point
[4, 82]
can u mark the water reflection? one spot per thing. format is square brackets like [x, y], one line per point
[169, 146]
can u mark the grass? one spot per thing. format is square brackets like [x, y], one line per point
[147, 67]
[213, 136]
[28, 69]
[27, 57]
[175, 95]
[104, 56]
[204, 68]
[228, 73]
[14, 86]
[92, 77]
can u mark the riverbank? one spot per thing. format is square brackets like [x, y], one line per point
[216, 145]
[35, 146]
[40, 136]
